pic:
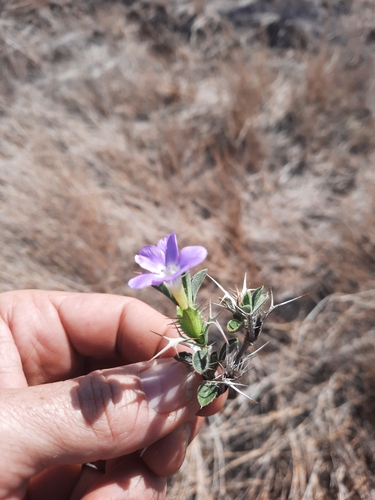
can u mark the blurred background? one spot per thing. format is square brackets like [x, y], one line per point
[247, 127]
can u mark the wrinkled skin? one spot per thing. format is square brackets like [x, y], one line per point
[71, 393]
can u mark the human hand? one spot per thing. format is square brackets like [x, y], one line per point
[76, 387]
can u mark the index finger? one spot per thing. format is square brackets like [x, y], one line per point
[48, 336]
[113, 326]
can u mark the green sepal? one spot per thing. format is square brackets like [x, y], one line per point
[207, 392]
[191, 323]
[200, 361]
[234, 325]
[165, 291]
[184, 357]
[228, 348]
[196, 282]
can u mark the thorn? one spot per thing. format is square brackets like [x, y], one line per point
[252, 354]
[244, 286]
[226, 294]
[171, 343]
[218, 326]
[233, 385]
[288, 301]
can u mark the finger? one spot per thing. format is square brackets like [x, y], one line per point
[99, 416]
[89, 476]
[113, 326]
[56, 482]
[47, 336]
[11, 371]
[213, 407]
[131, 479]
[166, 456]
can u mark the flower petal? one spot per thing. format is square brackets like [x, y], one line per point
[171, 254]
[173, 277]
[162, 244]
[144, 280]
[191, 257]
[151, 258]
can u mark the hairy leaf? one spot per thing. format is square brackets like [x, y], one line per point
[228, 348]
[196, 283]
[256, 295]
[184, 357]
[186, 283]
[207, 392]
[200, 361]
[165, 291]
[234, 325]
[246, 301]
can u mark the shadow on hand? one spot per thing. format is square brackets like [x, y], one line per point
[94, 392]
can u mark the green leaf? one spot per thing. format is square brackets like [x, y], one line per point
[207, 392]
[234, 325]
[233, 343]
[204, 336]
[223, 353]
[196, 283]
[262, 299]
[213, 365]
[255, 296]
[228, 348]
[228, 305]
[246, 308]
[186, 283]
[200, 361]
[184, 357]
[246, 301]
[165, 291]
[214, 360]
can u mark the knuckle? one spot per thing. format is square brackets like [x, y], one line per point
[96, 394]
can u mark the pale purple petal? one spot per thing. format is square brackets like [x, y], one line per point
[162, 245]
[171, 254]
[164, 257]
[191, 257]
[144, 280]
[151, 258]
[172, 277]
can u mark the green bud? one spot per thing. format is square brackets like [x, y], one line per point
[191, 322]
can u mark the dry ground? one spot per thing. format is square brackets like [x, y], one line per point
[246, 127]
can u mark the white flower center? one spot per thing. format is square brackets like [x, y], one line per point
[171, 269]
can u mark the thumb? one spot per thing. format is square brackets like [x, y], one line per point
[102, 415]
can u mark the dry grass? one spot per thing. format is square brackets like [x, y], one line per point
[123, 121]
[311, 435]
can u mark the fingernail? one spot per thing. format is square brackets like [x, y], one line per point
[167, 384]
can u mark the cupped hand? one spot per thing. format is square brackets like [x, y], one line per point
[77, 387]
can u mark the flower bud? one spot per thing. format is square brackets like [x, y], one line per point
[191, 323]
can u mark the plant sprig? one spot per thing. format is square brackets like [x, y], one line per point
[219, 368]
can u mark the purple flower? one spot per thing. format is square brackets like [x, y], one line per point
[165, 263]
